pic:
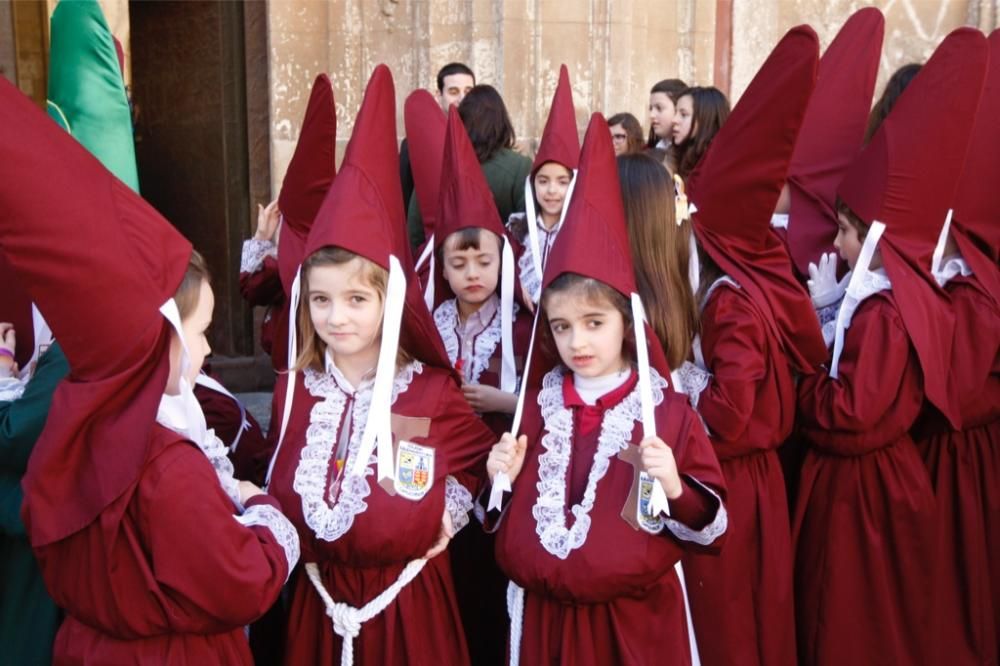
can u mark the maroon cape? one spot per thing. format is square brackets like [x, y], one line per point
[865, 528]
[742, 600]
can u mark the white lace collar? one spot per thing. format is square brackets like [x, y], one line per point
[530, 279]
[331, 517]
[447, 322]
[553, 465]
[954, 266]
[341, 379]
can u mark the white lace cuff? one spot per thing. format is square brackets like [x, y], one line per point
[265, 515]
[692, 380]
[708, 534]
[458, 502]
[254, 253]
[11, 388]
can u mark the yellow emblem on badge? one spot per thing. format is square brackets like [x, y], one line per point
[414, 470]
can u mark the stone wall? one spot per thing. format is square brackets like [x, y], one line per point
[615, 49]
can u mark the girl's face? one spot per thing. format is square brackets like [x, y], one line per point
[661, 114]
[589, 335]
[681, 130]
[551, 182]
[473, 273]
[847, 242]
[619, 139]
[195, 328]
[346, 311]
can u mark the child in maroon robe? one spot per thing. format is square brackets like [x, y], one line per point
[866, 528]
[267, 266]
[549, 186]
[965, 464]
[758, 331]
[485, 334]
[591, 555]
[376, 587]
[154, 552]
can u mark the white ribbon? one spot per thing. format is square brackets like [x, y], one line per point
[501, 481]
[851, 300]
[532, 220]
[658, 502]
[508, 370]
[293, 304]
[211, 383]
[941, 243]
[428, 254]
[531, 217]
[378, 429]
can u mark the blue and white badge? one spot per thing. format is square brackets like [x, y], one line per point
[651, 524]
[414, 470]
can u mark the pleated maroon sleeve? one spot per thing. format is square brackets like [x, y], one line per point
[211, 572]
[879, 389]
[735, 346]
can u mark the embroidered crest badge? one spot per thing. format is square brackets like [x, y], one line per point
[414, 470]
[651, 524]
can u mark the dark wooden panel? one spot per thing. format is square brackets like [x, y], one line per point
[189, 89]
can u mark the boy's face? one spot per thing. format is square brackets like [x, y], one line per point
[456, 87]
[473, 273]
[847, 242]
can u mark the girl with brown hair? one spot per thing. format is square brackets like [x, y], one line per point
[700, 115]
[661, 250]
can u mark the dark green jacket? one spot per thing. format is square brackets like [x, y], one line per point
[505, 173]
[28, 617]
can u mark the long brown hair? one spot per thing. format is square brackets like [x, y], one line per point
[661, 252]
[312, 347]
[709, 110]
[634, 142]
[894, 87]
[487, 122]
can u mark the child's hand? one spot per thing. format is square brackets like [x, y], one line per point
[268, 219]
[507, 456]
[8, 345]
[444, 537]
[486, 399]
[658, 460]
[248, 490]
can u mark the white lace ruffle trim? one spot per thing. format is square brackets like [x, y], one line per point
[253, 254]
[553, 465]
[265, 515]
[11, 388]
[708, 534]
[447, 322]
[331, 517]
[458, 502]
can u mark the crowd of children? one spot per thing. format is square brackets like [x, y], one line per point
[728, 396]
